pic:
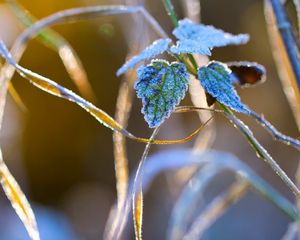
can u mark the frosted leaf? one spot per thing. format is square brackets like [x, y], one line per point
[201, 39]
[157, 47]
[215, 79]
[161, 86]
[247, 73]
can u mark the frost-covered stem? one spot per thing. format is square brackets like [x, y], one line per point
[261, 151]
[171, 12]
[286, 31]
[274, 132]
[173, 16]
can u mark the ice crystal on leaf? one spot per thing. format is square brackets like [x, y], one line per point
[161, 86]
[201, 39]
[215, 78]
[157, 47]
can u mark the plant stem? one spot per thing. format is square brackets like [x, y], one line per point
[173, 16]
[286, 31]
[171, 12]
[260, 150]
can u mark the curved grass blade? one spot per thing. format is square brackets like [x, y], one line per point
[63, 16]
[137, 194]
[138, 215]
[220, 161]
[137, 204]
[180, 215]
[18, 200]
[53, 40]
[119, 215]
[180, 158]
[123, 108]
[70, 15]
[215, 209]
[55, 89]
[16, 97]
[182, 109]
[79, 14]
[56, 42]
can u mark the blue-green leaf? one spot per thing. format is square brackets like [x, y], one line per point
[161, 86]
[157, 47]
[199, 38]
[215, 78]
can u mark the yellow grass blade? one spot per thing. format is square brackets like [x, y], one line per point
[56, 42]
[16, 97]
[138, 215]
[55, 89]
[18, 200]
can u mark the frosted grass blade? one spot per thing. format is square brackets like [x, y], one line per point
[18, 200]
[55, 89]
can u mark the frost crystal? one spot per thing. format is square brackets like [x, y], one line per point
[215, 79]
[156, 48]
[199, 38]
[161, 86]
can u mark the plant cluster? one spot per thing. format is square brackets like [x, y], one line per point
[161, 85]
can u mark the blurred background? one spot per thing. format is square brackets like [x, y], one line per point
[63, 158]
